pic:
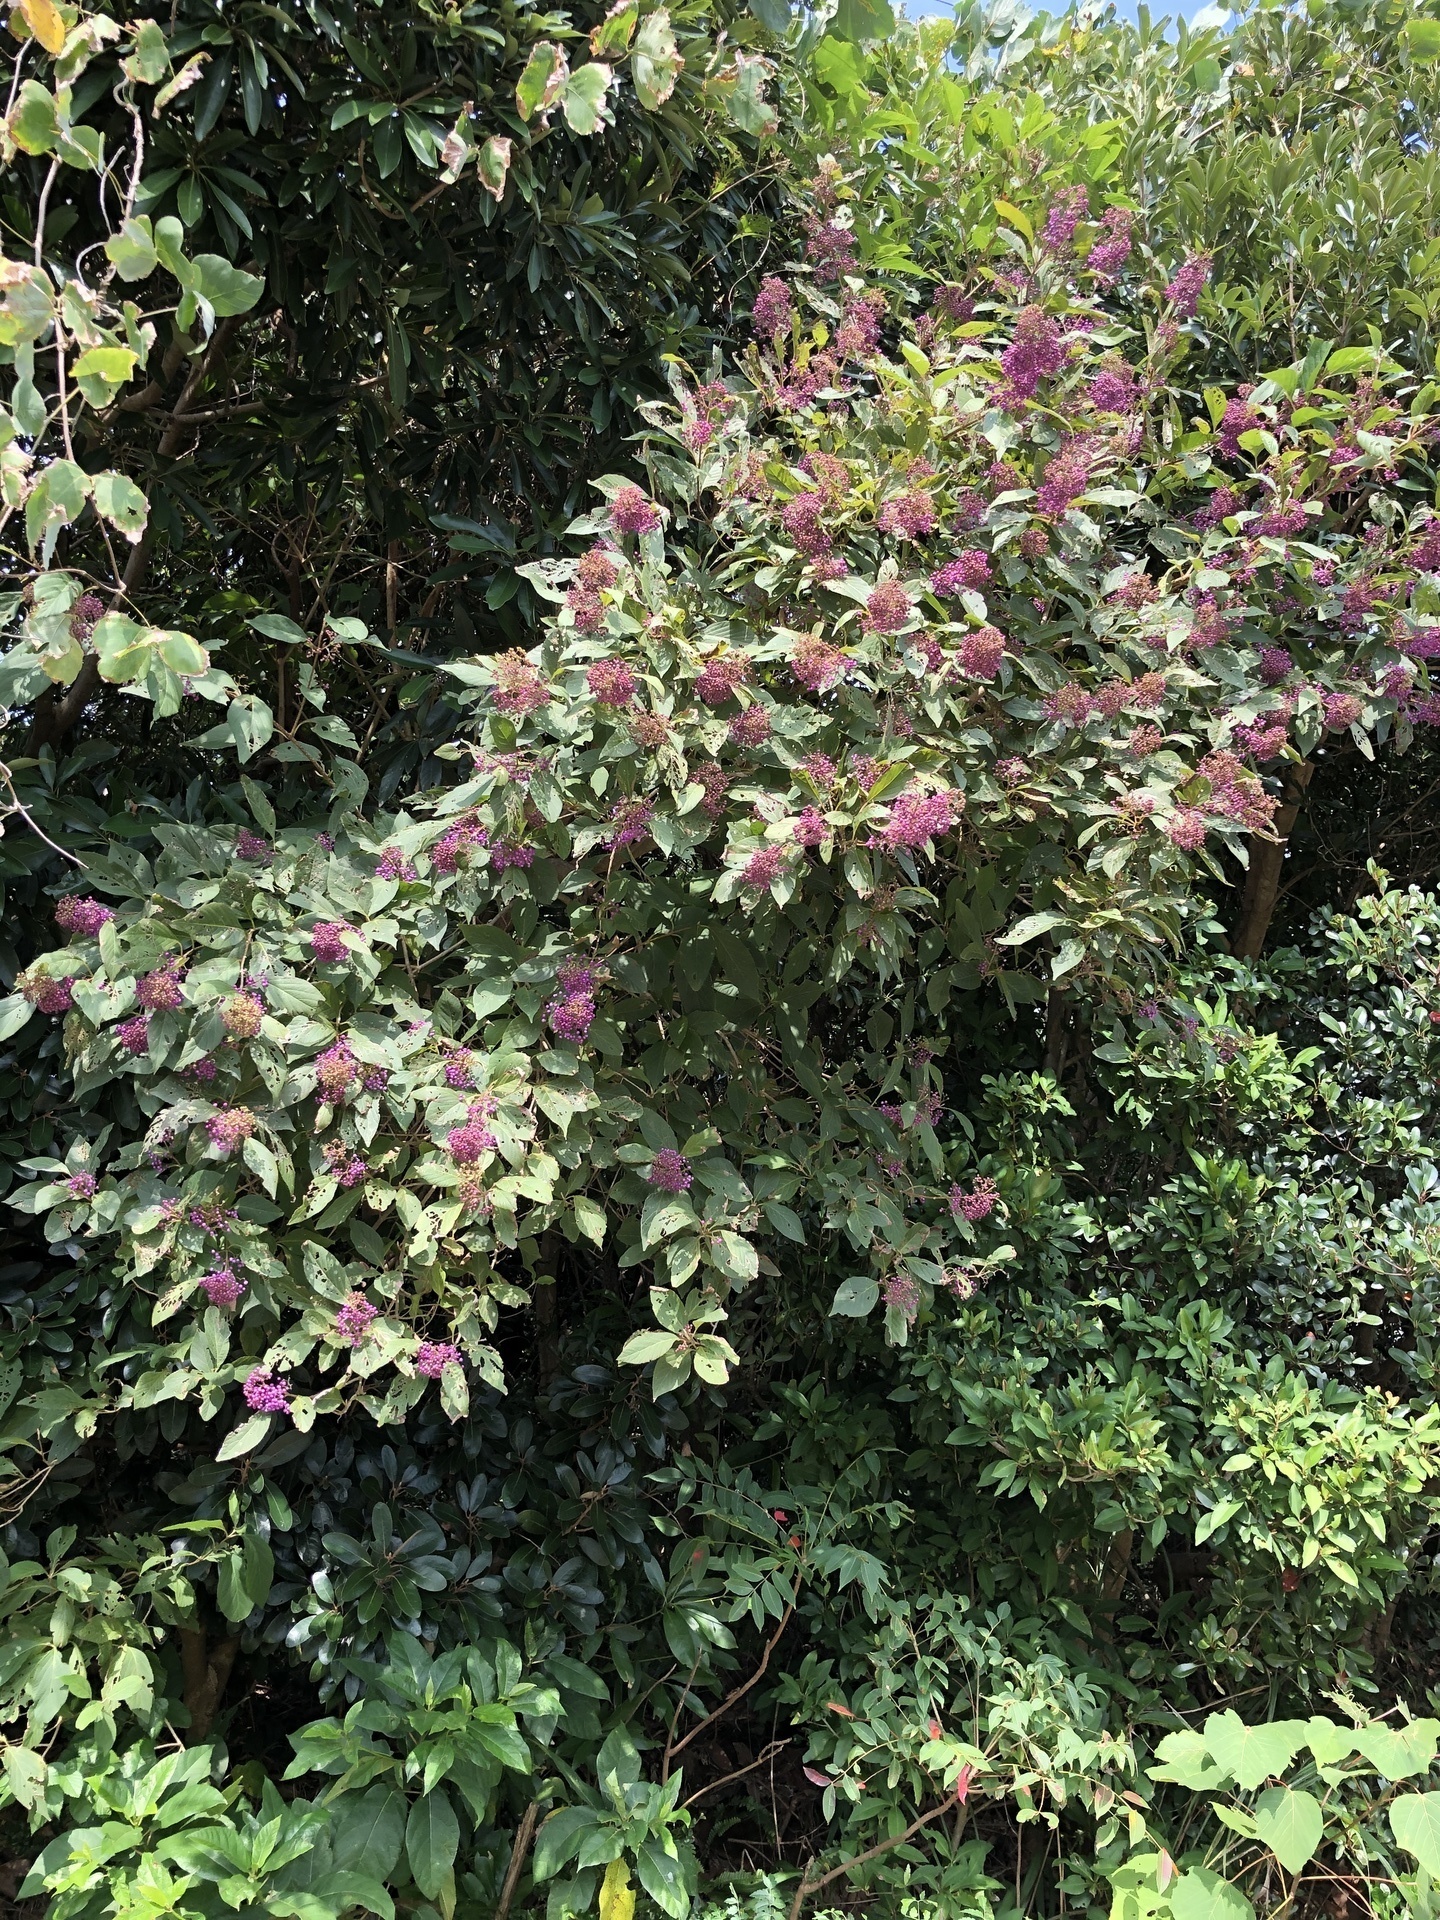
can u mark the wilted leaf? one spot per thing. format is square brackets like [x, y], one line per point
[545, 74]
[584, 98]
[655, 62]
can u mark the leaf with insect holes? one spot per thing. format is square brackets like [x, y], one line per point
[655, 61]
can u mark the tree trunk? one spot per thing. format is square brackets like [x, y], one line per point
[1267, 862]
[205, 1674]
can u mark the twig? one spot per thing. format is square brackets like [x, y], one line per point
[739, 1773]
[18, 806]
[808, 1886]
[738, 1693]
[675, 1718]
[40, 213]
[524, 1834]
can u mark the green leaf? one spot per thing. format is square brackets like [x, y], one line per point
[584, 98]
[1422, 38]
[15, 1010]
[1185, 1759]
[538, 87]
[131, 251]
[559, 1839]
[1030, 928]
[34, 122]
[1290, 1823]
[432, 1837]
[149, 60]
[641, 1348]
[371, 1832]
[612, 36]
[1399, 1752]
[231, 1592]
[1252, 1754]
[855, 1297]
[180, 652]
[100, 372]
[773, 15]
[662, 1878]
[785, 1221]
[225, 289]
[244, 1438]
[655, 62]
[259, 1568]
[275, 626]
[860, 20]
[1415, 1822]
[494, 165]
[120, 501]
[1203, 1895]
[337, 1893]
[745, 100]
[589, 1218]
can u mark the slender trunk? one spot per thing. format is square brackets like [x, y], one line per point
[205, 1672]
[1267, 862]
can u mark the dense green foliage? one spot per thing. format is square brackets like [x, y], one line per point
[683, 1231]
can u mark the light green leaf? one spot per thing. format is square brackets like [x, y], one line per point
[1399, 1752]
[149, 60]
[225, 289]
[1290, 1823]
[1203, 1895]
[1252, 1754]
[131, 251]
[612, 36]
[231, 1592]
[855, 1297]
[589, 1218]
[539, 86]
[120, 501]
[15, 1010]
[584, 98]
[245, 1437]
[34, 123]
[494, 165]
[859, 20]
[1415, 1822]
[655, 62]
[100, 372]
[641, 1348]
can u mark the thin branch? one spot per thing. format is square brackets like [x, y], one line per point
[17, 805]
[675, 1718]
[808, 1886]
[739, 1773]
[524, 1834]
[40, 212]
[737, 1693]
